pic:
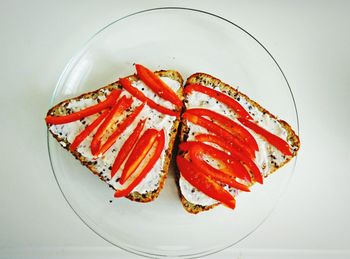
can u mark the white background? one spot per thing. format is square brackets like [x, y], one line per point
[310, 40]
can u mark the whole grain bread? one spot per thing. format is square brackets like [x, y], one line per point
[212, 82]
[61, 109]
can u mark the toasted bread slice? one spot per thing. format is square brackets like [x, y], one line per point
[101, 166]
[273, 160]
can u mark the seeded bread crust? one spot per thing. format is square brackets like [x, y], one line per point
[61, 109]
[210, 81]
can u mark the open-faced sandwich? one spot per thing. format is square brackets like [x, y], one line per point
[124, 132]
[228, 143]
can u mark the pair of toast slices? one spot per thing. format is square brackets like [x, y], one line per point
[125, 133]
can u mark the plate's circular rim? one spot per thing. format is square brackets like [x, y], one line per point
[77, 56]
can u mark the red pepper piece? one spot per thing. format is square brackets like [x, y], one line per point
[160, 140]
[110, 101]
[277, 142]
[157, 85]
[140, 151]
[121, 128]
[234, 168]
[204, 183]
[215, 173]
[122, 104]
[212, 127]
[125, 82]
[221, 97]
[233, 151]
[230, 166]
[87, 131]
[223, 143]
[127, 147]
[234, 128]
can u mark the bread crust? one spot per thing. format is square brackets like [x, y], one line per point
[210, 81]
[60, 109]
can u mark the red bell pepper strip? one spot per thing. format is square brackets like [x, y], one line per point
[125, 82]
[212, 127]
[221, 97]
[110, 101]
[223, 143]
[122, 104]
[214, 173]
[121, 128]
[230, 166]
[277, 142]
[87, 131]
[234, 128]
[127, 147]
[217, 175]
[233, 151]
[160, 140]
[204, 183]
[139, 152]
[157, 85]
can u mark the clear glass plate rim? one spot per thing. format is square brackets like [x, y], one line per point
[76, 58]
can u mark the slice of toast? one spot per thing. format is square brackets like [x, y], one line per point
[152, 184]
[271, 160]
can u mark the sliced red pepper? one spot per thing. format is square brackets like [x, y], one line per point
[277, 142]
[214, 173]
[233, 151]
[127, 147]
[160, 140]
[221, 97]
[234, 128]
[125, 82]
[223, 143]
[212, 127]
[140, 151]
[122, 104]
[204, 183]
[225, 174]
[87, 131]
[121, 128]
[110, 101]
[157, 85]
[230, 166]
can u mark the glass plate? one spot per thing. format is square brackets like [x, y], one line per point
[189, 41]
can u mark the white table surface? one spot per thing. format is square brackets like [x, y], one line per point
[310, 40]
